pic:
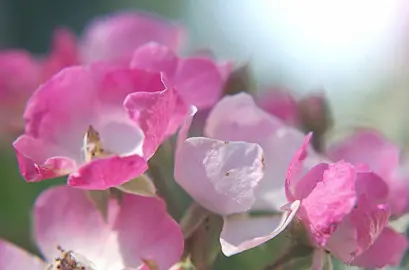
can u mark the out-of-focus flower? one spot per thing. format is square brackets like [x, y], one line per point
[21, 73]
[311, 113]
[115, 37]
[99, 124]
[70, 231]
[238, 121]
[371, 148]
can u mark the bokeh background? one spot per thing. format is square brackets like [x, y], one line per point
[357, 51]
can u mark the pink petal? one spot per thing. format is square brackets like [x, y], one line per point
[369, 219]
[152, 111]
[146, 229]
[155, 57]
[241, 233]
[108, 172]
[359, 230]
[373, 186]
[247, 123]
[331, 200]
[13, 258]
[387, 250]
[251, 124]
[368, 147]
[295, 169]
[199, 82]
[64, 53]
[135, 230]
[280, 103]
[38, 160]
[221, 176]
[19, 76]
[115, 37]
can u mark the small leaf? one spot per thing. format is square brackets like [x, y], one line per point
[141, 185]
[100, 200]
[327, 262]
[240, 80]
[151, 264]
[192, 219]
[184, 265]
[203, 245]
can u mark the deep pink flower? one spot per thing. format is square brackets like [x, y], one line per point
[341, 205]
[99, 124]
[111, 39]
[369, 147]
[115, 37]
[238, 121]
[137, 229]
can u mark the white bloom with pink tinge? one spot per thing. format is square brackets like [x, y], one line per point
[69, 230]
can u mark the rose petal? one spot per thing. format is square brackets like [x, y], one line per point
[359, 230]
[369, 147]
[387, 250]
[199, 82]
[155, 57]
[139, 228]
[146, 230]
[251, 124]
[13, 258]
[36, 161]
[221, 176]
[330, 201]
[108, 172]
[295, 169]
[115, 37]
[153, 112]
[64, 53]
[241, 233]
[280, 103]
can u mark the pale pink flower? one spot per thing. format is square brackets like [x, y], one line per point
[371, 148]
[137, 228]
[99, 124]
[115, 37]
[242, 125]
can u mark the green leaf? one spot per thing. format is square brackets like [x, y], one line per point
[203, 245]
[141, 185]
[194, 216]
[100, 200]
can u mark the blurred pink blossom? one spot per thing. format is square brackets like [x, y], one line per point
[136, 229]
[371, 148]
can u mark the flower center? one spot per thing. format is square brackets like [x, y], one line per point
[69, 260]
[92, 146]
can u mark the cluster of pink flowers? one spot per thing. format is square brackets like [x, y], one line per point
[99, 106]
